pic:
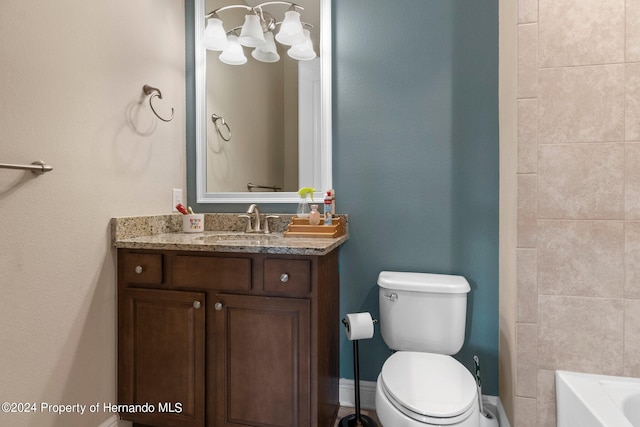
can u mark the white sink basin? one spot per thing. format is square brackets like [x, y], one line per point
[240, 238]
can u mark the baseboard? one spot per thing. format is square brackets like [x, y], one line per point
[368, 398]
[367, 393]
[497, 404]
[114, 421]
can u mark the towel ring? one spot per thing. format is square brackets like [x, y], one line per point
[148, 90]
[219, 121]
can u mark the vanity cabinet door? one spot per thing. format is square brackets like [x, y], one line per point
[161, 357]
[262, 361]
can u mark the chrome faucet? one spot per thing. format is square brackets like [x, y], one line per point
[253, 210]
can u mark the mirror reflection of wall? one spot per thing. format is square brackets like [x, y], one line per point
[259, 102]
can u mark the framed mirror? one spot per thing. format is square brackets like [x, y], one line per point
[263, 130]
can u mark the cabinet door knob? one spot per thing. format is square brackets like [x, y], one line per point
[218, 306]
[196, 304]
[284, 277]
[139, 269]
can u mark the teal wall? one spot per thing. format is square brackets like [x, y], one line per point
[415, 158]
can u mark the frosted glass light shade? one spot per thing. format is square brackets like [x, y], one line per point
[267, 52]
[303, 51]
[291, 31]
[251, 34]
[233, 54]
[215, 37]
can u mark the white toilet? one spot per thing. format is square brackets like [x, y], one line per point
[422, 317]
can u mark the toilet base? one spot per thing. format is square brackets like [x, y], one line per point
[351, 421]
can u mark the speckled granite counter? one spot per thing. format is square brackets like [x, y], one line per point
[223, 233]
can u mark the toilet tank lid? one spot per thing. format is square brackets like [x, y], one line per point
[423, 282]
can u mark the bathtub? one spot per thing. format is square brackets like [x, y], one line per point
[588, 400]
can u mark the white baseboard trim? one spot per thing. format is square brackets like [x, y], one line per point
[114, 421]
[347, 395]
[346, 389]
[497, 404]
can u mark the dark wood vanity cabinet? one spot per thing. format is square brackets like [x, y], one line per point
[228, 339]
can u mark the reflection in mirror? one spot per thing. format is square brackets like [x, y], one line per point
[263, 129]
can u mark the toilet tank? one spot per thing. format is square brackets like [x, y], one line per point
[422, 311]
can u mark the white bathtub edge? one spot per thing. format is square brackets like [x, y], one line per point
[582, 400]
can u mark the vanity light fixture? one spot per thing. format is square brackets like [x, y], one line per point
[258, 32]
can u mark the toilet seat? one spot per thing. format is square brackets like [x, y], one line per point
[429, 388]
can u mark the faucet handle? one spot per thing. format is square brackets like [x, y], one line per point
[248, 217]
[266, 223]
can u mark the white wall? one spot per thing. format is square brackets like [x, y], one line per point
[71, 77]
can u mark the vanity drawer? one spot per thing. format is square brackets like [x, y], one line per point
[224, 273]
[143, 269]
[286, 276]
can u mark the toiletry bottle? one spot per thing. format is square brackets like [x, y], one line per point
[314, 215]
[327, 209]
[332, 193]
[303, 206]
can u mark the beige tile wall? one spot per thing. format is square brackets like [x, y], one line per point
[578, 207]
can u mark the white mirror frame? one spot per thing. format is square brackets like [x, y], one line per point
[324, 163]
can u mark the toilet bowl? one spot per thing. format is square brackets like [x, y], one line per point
[424, 389]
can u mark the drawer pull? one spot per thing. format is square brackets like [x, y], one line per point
[218, 306]
[284, 277]
[139, 269]
[196, 304]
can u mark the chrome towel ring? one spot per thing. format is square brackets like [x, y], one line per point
[153, 92]
[218, 122]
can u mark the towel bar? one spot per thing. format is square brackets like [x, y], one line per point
[38, 167]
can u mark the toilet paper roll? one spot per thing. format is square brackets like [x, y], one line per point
[359, 326]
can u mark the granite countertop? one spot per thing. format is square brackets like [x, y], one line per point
[223, 233]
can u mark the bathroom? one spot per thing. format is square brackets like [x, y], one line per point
[438, 158]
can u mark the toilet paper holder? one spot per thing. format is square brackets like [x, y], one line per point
[357, 419]
[346, 324]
